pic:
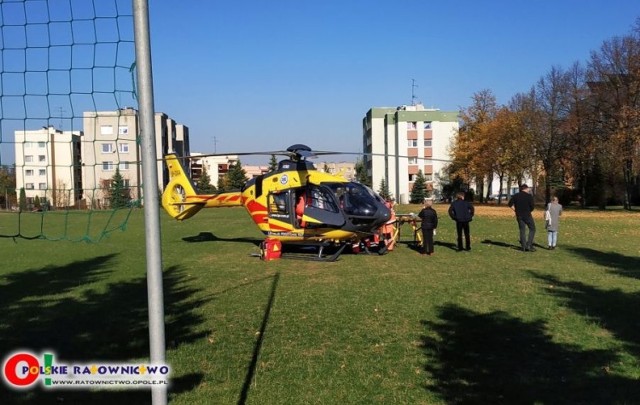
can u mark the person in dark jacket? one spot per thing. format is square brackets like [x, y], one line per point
[522, 204]
[462, 212]
[429, 224]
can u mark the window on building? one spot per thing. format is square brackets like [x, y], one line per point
[107, 166]
[413, 160]
[28, 186]
[42, 144]
[42, 158]
[106, 130]
[28, 158]
[123, 147]
[427, 143]
[107, 148]
[427, 125]
[42, 172]
[42, 186]
[28, 144]
[126, 183]
[412, 177]
[124, 165]
[428, 177]
[413, 143]
[123, 130]
[411, 125]
[28, 172]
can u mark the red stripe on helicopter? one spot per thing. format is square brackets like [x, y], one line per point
[258, 211]
[225, 197]
[254, 206]
[275, 227]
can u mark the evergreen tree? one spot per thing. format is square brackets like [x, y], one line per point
[361, 173]
[384, 190]
[23, 199]
[273, 163]
[204, 183]
[236, 177]
[7, 186]
[118, 193]
[36, 203]
[222, 184]
[419, 190]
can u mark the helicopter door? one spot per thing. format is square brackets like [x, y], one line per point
[279, 204]
[321, 208]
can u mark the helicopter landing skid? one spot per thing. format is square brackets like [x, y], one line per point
[316, 257]
[319, 257]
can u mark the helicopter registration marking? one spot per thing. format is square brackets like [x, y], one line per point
[284, 179]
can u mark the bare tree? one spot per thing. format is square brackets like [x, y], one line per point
[553, 104]
[614, 75]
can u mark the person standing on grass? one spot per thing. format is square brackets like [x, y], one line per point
[552, 217]
[429, 224]
[522, 204]
[462, 212]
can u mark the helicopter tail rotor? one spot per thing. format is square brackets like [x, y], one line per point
[176, 195]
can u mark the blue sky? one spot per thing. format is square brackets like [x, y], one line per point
[261, 75]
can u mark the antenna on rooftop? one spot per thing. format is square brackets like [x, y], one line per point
[62, 111]
[413, 93]
[215, 145]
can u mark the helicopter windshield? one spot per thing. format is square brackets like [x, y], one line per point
[355, 198]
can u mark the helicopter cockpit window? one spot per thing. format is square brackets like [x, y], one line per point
[321, 198]
[355, 199]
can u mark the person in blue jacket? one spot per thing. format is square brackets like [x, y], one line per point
[462, 212]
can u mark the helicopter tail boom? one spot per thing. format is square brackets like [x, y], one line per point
[180, 198]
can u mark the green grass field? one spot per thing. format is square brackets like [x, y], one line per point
[494, 325]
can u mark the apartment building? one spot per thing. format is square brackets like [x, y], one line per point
[48, 166]
[255, 171]
[216, 166]
[111, 140]
[344, 169]
[171, 137]
[401, 141]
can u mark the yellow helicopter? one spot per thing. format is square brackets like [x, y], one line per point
[293, 205]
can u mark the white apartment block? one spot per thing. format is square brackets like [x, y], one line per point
[111, 140]
[399, 142]
[216, 166]
[48, 165]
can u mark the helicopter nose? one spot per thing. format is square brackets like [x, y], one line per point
[384, 214]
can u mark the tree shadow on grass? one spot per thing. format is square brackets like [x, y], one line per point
[609, 309]
[493, 358]
[626, 266]
[42, 312]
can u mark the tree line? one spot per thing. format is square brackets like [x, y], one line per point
[575, 133]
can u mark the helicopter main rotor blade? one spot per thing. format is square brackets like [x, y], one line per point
[326, 152]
